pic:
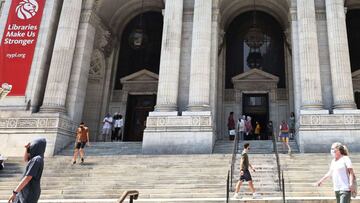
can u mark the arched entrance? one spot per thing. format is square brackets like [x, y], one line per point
[257, 78]
[353, 33]
[126, 75]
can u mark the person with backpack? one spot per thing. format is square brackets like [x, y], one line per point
[284, 135]
[342, 173]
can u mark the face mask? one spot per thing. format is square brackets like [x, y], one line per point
[332, 152]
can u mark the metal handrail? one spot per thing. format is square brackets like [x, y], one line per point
[280, 172]
[229, 182]
[133, 195]
[227, 186]
[283, 186]
[277, 160]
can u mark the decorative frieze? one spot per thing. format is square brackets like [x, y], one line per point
[38, 123]
[178, 121]
[330, 121]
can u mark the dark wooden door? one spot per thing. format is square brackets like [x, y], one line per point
[257, 107]
[138, 109]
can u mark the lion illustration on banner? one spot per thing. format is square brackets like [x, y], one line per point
[27, 9]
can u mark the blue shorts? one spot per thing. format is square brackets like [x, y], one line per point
[284, 135]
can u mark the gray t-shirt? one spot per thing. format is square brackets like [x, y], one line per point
[31, 192]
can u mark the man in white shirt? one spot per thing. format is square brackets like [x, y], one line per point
[342, 173]
[107, 127]
[240, 126]
[118, 125]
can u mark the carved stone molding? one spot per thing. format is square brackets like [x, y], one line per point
[97, 66]
[344, 121]
[37, 123]
[178, 121]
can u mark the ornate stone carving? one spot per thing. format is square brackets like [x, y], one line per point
[37, 123]
[97, 65]
[330, 121]
[178, 121]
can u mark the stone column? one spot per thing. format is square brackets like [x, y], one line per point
[199, 91]
[170, 57]
[341, 78]
[80, 71]
[62, 57]
[295, 62]
[311, 96]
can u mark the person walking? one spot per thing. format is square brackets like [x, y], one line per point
[245, 173]
[107, 127]
[284, 135]
[231, 126]
[240, 126]
[342, 173]
[118, 125]
[248, 127]
[292, 126]
[29, 190]
[257, 130]
[82, 139]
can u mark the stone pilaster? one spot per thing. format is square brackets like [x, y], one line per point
[295, 61]
[81, 64]
[343, 96]
[311, 95]
[199, 91]
[170, 57]
[62, 57]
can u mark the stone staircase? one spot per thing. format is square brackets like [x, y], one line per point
[107, 172]
[111, 168]
[301, 171]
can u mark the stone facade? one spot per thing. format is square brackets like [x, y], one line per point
[73, 74]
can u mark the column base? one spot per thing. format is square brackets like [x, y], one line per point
[57, 129]
[165, 108]
[314, 111]
[198, 108]
[346, 111]
[191, 133]
[316, 133]
[52, 109]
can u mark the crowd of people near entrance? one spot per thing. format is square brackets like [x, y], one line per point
[243, 128]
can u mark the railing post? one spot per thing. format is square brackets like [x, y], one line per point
[227, 187]
[283, 185]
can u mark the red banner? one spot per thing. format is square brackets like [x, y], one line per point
[18, 43]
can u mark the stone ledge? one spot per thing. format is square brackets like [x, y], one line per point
[178, 121]
[338, 120]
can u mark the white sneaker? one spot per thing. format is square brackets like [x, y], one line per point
[236, 196]
[256, 195]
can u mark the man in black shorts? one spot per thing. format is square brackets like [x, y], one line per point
[245, 173]
[82, 138]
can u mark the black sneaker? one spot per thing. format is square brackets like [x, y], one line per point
[74, 162]
[82, 160]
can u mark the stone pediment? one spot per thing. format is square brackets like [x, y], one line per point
[143, 76]
[254, 75]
